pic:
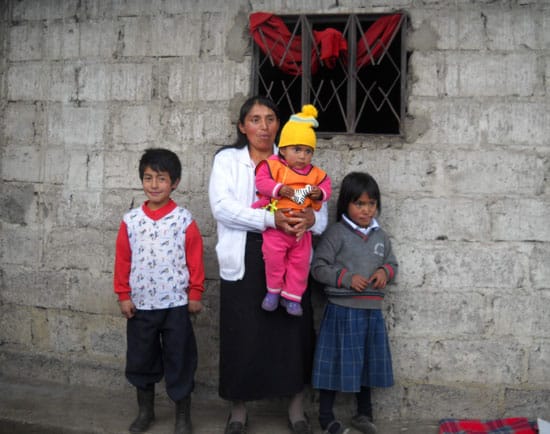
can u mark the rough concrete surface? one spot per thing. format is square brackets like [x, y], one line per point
[38, 407]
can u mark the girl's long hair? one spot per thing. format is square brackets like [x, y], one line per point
[353, 186]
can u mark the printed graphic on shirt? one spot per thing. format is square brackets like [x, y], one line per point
[159, 276]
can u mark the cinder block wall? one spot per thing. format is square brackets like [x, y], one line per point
[87, 85]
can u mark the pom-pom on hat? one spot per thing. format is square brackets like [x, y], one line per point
[299, 128]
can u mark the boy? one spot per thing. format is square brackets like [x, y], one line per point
[159, 280]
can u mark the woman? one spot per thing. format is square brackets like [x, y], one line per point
[262, 354]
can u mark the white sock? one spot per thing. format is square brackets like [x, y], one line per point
[296, 408]
[238, 412]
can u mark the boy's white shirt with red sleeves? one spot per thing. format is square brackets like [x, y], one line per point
[159, 258]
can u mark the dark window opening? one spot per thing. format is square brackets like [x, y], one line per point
[365, 96]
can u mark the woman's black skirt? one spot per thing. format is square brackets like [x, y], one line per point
[262, 354]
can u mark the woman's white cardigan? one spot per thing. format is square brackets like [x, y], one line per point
[231, 193]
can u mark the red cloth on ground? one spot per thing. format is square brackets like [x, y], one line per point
[512, 425]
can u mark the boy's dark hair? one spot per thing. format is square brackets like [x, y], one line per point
[160, 160]
[353, 186]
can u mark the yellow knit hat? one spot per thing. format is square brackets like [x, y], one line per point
[299, 128]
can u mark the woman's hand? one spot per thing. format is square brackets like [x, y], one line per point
[294, 222]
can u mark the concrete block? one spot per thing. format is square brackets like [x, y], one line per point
[92, 124]
[40, 331]
[21, 245]
[133, 125]
[136, 34]
[477, 362]
[37, 81]
[539, 276]
[544, 32]
[464, 172]
[453, 122]
[77, 171]
[214, 33]
[62, 40]
[437, 218]
[519, 123]
[33, 365]
[466, 314]
[92, 292]
[481, 74]
[80, 208]
[427, 69]
[55, 165]
[20, 123]
[508, 316]
[19, 205]
[41, 289]
[98, 39]
[26, 42]
[455, 28]
[131, 82]
[427, 401]
[411, 266]
[472, 265]
[521, 219]
[108, 336]
[192, 81]
[529, 403]
[72, 249]
[94, 82]
[411, 358]
[121, 170]
[539, 370]
[25, 81]
[46, 9]
[512, 29]
[63, 85]
[179, 35]
[67, 331]
[99, 374]
[15, 327]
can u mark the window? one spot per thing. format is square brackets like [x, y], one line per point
[355, 76]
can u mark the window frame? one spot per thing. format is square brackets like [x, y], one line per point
[309, 95]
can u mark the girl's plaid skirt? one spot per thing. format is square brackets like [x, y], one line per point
[352, 350]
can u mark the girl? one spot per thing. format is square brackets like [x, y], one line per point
[354, 261]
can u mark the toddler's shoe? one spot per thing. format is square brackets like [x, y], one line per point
[270, 302]
[363, 424]
[293, 308]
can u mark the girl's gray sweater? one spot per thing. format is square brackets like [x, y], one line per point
[343, 252]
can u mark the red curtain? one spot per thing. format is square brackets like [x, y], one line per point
[276, 41]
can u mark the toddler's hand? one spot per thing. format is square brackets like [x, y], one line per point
[286, 191]
[316, 193]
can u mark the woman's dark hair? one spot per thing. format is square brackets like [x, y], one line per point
[353, 186]
[241, 140]
[160, 160]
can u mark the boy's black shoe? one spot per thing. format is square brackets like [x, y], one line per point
[146, 415]
[183, 417]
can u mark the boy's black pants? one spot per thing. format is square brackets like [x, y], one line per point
[162, 343]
